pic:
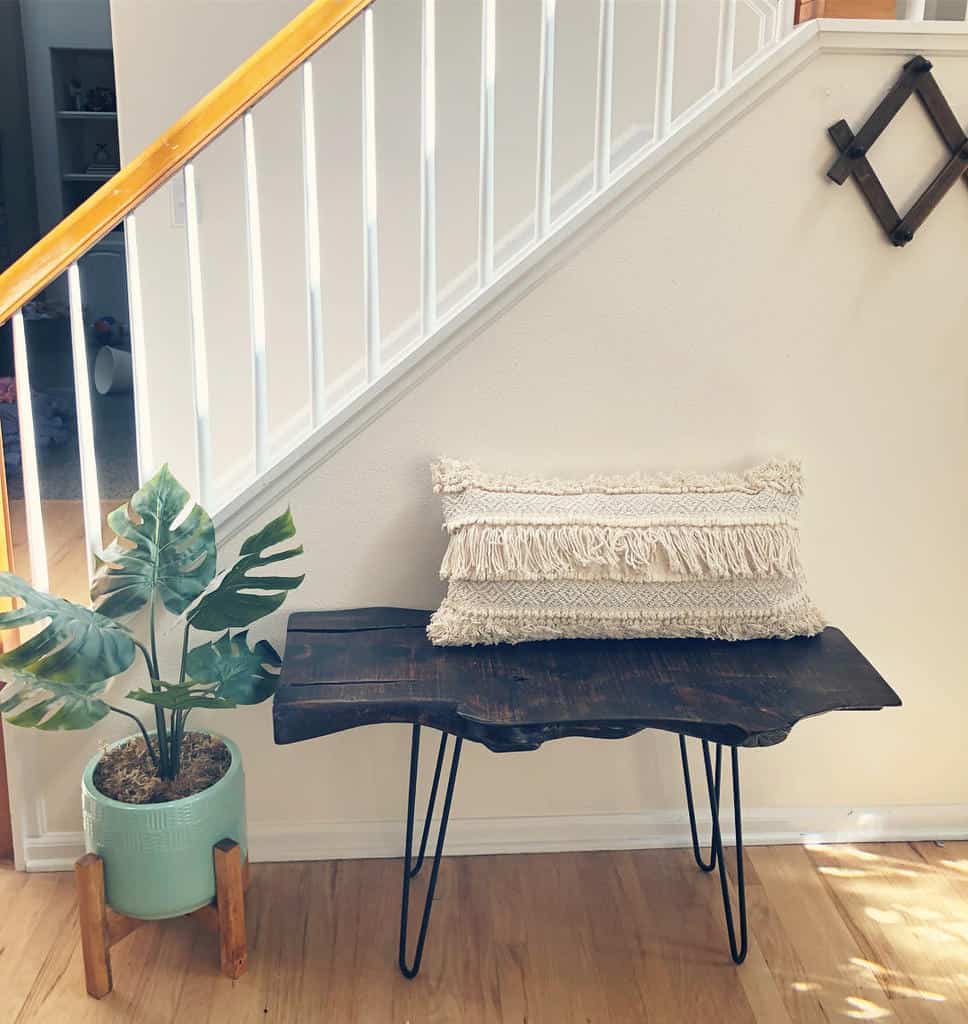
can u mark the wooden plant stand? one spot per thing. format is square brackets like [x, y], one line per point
[102, 927]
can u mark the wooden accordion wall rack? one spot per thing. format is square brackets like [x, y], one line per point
[916, 79]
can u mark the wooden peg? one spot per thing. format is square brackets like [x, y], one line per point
[102, 927]
[230, 904]
[95, 944]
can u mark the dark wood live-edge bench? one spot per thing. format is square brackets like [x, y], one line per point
[365, 666]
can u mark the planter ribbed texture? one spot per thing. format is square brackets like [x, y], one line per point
[158, 857]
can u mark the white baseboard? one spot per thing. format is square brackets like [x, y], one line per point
[339, 840]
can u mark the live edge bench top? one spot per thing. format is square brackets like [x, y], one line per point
[369, 665]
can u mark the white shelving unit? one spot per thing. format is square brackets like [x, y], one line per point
[86, 121]
[87, 115]
[91, 176]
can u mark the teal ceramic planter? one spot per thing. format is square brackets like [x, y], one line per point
[158, 857]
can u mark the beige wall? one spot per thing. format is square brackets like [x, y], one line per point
[743, 309]
[746, 307]
[205, 39]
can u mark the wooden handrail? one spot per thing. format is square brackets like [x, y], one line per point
[114, 200]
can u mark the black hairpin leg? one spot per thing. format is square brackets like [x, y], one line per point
[738, 950]
[410, 868]
[714, 801]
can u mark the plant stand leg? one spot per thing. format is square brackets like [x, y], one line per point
[95, 943]
[230, 906]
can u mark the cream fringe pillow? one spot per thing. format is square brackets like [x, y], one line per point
[618, 557]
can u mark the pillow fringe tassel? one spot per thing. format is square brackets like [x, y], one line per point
[578, 551]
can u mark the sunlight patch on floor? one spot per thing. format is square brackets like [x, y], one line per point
[916, 993]
[864, 1009]
[909, 909]
[884, 916]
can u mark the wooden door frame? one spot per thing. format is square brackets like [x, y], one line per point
[6, 822]
[6, 564]
[806, 10]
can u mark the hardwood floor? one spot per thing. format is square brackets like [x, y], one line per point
[838, 933]
[64, 533]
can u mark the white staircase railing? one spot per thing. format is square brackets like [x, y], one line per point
[671, 49]
[773, 21]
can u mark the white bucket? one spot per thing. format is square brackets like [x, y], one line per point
[112, 371]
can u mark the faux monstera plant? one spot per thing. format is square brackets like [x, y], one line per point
[163, 557]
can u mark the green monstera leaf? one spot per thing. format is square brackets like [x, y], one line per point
[54, 679]
[30, 701]
[242, 674]
[160, 551]
[77, 645]
[182, 696]
[241, 598]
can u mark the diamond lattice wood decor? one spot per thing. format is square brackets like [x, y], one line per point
[916, 78]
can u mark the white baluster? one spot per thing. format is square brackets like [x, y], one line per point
[90, 494]
[257, 300]
[371, 258]
[546, 114]
[203, 433]
[666, 69]
[603, 106]
[36, 542]
[488, 74]
[428, 170]
[314, 263]
[725, 51]
[915, 10]
[139, 367]
[783, 24]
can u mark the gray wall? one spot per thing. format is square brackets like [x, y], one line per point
[16, 156]
[49, 24]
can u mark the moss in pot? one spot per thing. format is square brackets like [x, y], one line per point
[154, 803]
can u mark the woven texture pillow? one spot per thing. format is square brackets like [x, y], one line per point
[617, 557]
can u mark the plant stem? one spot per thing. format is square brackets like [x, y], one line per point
[177, 740]
[162, 732]
[184, 655]
[178, 722]
[164, 766]
[144, 731]
[151, 668]
[153, 640]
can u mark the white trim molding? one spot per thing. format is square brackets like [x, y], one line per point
[641, 830]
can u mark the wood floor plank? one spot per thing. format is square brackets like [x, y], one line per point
[504, 888]
[464, 907]
[837, 933]
[759, 984]
[42, 910]
[814, 954]
[903, 912]
[688, 938]
[615, 932]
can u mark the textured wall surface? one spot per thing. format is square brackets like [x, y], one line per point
[744, 308]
